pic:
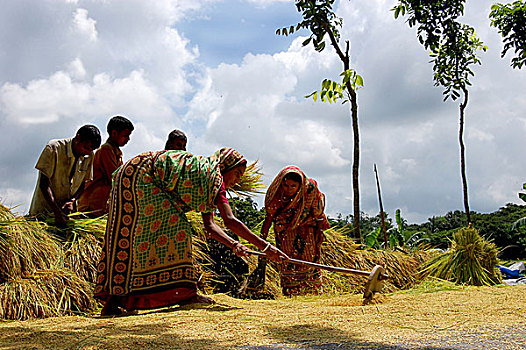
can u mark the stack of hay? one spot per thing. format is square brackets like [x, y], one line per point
[339, 250]
[470, 260]
[33, 279]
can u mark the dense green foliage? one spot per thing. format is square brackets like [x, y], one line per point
[246, 210]
[510, 19]
[437, 231]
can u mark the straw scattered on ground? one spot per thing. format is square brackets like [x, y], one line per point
[401, 321]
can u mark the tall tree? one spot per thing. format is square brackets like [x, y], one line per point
[320, 20]
[453, 47]
[510, 19]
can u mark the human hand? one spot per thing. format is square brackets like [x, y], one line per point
[239, 249]
[61, 219]
[274, 254]
[68, 207]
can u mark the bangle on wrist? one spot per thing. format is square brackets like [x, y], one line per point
[234, 244]
[266, 247]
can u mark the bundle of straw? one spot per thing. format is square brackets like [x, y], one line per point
[470, 260]
[45, 293]
[82, 243]
[340, 250]
[33, 279]
[25, 246]
[250, 183]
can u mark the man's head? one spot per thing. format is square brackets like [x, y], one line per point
[176, 141]
[86, 140]
[119, 128]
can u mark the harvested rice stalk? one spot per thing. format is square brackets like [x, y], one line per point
[82, 256]
[25, 246]
[78, 225]
[470, 260]
[339, 250]
[82, 243]
[250, 183]
[46, 293]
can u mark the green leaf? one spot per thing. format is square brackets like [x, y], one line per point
[371, 237]
[396, 12]
[359, 80]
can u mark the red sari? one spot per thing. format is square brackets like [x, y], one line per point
[299, 222]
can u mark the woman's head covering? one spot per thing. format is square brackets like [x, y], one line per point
[308, 201]
[229, 158]
[274, 190]
[274, 193]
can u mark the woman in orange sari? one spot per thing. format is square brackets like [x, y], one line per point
[295, 206]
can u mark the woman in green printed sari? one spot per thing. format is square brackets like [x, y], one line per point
[146, 261]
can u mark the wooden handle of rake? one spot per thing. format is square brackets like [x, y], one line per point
[321, 266]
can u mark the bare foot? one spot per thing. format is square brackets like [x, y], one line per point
[118, 312]
[197, 299]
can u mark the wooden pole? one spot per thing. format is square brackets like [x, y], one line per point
[382, 217]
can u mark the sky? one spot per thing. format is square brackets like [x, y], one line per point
[217, 70]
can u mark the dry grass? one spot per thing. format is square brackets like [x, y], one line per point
[470, 260]
[28, 249]
[300, 323]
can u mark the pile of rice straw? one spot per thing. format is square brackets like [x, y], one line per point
[34, 282]
[42, 275]
[470, 260]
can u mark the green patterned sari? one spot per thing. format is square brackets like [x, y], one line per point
[147, 254]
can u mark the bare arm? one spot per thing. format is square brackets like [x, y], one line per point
[49, 196]
[71, 206]
[214, 231]
[242, 230]
[266, 226]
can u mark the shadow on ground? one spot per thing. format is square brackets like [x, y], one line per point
[309, 337]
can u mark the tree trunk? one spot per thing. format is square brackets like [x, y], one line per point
[462, 155]
[355, 165]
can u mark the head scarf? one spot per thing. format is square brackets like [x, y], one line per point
[274, 193]
[229, 158]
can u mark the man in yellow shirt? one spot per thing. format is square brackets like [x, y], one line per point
[63, 167]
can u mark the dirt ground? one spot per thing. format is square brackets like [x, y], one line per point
[472, 318]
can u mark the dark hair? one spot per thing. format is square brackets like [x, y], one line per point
[175, 135]
[293, 176]
[119, 123]
[89, 133]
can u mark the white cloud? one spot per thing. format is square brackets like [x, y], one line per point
[85, 24]
[50, 100]
[139, 63]
[43, 101]
[76, 69]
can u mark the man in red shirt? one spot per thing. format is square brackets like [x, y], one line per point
[105, 161]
